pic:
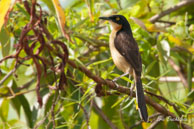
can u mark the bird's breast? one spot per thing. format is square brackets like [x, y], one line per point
[118, 59]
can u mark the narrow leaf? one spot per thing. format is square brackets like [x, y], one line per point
[4, 109]
[49, 5]
[27, 109]
[4, 40]
[119, 101]
[100, 62]
[61, 17]
[132, 100]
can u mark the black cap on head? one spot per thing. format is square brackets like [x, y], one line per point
[119, 19]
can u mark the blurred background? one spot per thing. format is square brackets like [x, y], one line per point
[164, 31]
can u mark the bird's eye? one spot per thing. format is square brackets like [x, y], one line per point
[117, 19]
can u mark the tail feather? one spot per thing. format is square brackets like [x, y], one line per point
[141, 100]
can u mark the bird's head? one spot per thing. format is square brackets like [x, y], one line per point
[117, 21]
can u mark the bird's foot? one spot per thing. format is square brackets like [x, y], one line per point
[116, 84]
[117, 78]
[114, 81]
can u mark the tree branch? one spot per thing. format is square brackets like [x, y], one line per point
[166, 101]
[183, 3]
[125, 90]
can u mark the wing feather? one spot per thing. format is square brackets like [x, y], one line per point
[127, 47]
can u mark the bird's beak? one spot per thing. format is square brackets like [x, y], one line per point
[104, 18]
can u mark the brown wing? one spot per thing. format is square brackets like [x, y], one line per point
[127, 47]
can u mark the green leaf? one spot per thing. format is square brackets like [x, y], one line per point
[79, 23]
[4, 90]
[124, 78]
[164, 50]
[91, 8]
[61, 126]
[27, 110]
[50, 5]
[16, 101]
[22, 10]
[94, 122]
[12, 122]
[126, 106]
[119, 101]
[127, 3]
[48, 104]
[4, 40]
[100, 62]
[16, 105]
[150, 66]
[34, 114]
[191, 94]
[4, 109]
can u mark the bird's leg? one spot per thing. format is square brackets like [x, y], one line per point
[132, 85]
[128, 81]
[131, 90]
[117, 78]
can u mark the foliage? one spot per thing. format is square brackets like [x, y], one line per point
[71, 98]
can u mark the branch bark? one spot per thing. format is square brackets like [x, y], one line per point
[183, 3]
[125, 90]
[166, 101]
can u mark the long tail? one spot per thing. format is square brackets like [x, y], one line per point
[141, 100]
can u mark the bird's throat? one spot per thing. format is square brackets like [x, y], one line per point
[115, 26]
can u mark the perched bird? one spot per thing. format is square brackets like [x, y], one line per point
[125, 54]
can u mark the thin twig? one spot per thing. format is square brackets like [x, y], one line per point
[42, 121]
[167, 22]
[86, 116]
[156, 122]
[155, 115]
[104, 117]
[55, 101]
[180, 74]
[8, 75]
[119, 4]
[121, 117]
[166, 101]
[183, 3]
[139, 122]
[136, 124]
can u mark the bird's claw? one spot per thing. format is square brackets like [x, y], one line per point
[116, 85]
[114, 81]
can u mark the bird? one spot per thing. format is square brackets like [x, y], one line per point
[126, 56]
